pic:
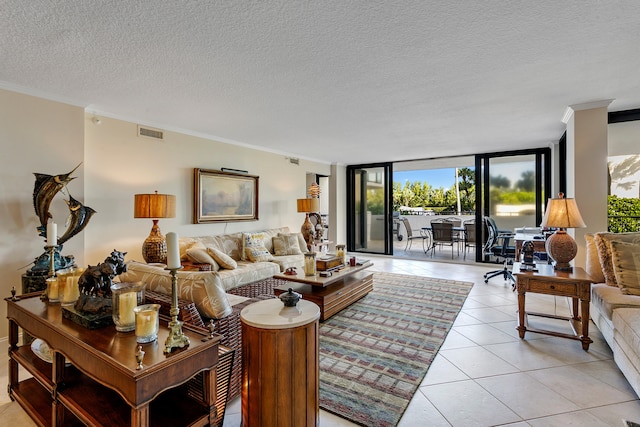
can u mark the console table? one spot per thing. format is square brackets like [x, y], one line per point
[93, 377]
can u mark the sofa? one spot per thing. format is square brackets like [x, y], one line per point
[225, 273]
[613, 262]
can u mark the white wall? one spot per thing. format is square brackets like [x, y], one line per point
[41, 136]
[44, 136]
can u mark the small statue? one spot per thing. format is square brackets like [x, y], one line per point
[95, 283]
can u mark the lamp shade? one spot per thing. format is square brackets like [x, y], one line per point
[154, 206]
[308, 205]
[562, 213]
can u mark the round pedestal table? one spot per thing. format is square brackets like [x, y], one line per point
[280, 364]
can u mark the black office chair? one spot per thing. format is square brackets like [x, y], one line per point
[498, 245]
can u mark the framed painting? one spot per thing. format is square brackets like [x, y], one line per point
[224, 196]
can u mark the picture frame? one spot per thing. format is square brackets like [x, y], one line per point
[224, 196]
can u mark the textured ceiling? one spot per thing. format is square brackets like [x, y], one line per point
[336, 81]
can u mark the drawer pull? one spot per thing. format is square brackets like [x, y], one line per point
[552, 287]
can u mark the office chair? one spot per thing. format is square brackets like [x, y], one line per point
[498, 245]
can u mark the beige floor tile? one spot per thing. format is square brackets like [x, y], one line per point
[442, 371]
[525, 396]
[466, 404]
[484, 334]
[477, 362]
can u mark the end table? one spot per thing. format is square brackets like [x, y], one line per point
[574, 284]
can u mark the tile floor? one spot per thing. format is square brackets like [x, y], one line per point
[484, 375]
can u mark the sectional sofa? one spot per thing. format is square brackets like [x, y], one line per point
[227, 272]
[613, 262]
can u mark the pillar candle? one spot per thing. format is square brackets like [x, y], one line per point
[146, 322]
[126, 303]
[53, 292]
[52, 234]
[173, 251]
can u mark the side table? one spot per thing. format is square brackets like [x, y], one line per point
[280, 364]
[574, 284]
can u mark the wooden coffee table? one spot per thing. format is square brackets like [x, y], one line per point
[332, 294]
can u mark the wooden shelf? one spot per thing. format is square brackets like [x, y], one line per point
[101, 386]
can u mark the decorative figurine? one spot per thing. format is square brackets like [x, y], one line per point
[95, 283]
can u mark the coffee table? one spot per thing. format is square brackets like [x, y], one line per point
[332, 294]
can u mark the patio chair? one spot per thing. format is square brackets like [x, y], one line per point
[411, 237]
[469, 235]
[442, 234]
[498, 245]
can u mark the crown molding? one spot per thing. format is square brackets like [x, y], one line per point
[568, 112]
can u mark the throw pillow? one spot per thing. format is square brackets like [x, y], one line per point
[301, 242]
[593, 267]
[286, 244]
[251, 241]
[258, 254]
[625, 258]
[603, 243]
[223, 259]
[201, 256]
[185, 243]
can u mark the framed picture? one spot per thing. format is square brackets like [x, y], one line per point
[224, 196]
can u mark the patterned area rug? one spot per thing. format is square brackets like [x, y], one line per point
[375, 353]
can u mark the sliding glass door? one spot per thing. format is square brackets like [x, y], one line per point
[513, 189]
[368, 208]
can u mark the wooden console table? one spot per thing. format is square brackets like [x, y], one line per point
[574, 284]
[93, 379]
[332, 294]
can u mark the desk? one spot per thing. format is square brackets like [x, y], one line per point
[538, 244]
[574, 284]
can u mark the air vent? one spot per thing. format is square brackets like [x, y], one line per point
[294, 160]
[150, 133]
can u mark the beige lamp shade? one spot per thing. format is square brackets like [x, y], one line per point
[308, 205]
[562, 213]
[154, 206]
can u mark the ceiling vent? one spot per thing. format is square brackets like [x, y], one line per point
[150, 133]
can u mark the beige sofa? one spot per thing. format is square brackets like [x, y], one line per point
[613, 262]
[235, 260]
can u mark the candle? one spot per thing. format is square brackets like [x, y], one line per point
[71, 291]
[53, 292]
[173, 251]
[147, 322]
[52, 234]
[127, 302]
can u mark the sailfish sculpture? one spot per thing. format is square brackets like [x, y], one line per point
[45, 189]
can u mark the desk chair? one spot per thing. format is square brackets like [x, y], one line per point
[498, 245]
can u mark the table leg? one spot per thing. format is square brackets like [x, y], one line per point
[575, 313]
[521, 311]
[584, 305]
[140, 416]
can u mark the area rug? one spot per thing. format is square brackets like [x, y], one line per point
[375, 353]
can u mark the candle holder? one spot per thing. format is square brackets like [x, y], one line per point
[52, 272]
[176, 338]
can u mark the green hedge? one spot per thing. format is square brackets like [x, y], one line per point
[624, 214]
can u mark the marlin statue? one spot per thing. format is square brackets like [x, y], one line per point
[45, 189]
[79, 216]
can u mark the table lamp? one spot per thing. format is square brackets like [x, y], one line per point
[561, 214]
[307, 206]
[154, 206]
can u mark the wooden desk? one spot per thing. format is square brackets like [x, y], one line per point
[100, 386]
[575, 284]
